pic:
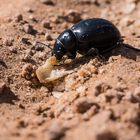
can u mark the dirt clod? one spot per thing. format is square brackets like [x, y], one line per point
[27, 71]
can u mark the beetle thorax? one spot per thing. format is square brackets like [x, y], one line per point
[68, 40]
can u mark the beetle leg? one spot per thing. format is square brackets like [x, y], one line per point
[71, 54]
[94, 51]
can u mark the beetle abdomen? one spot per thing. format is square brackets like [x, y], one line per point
[97, 33]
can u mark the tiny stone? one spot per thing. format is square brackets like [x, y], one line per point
[18, 17]
[46, 24]
[26, 57]
[81, 89]
[29, 10]
[57, 94]
[55, 19]
[31, 17]
[102, 71]
[25, 40]
[48, 37]
[2, 86]
[73, 16]
[129, 8]
[37, 46]
[28, 28]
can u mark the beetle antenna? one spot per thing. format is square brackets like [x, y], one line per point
[38, 42]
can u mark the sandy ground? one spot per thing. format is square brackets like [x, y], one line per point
[99, 101]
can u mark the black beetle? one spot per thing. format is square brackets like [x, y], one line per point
[86, 36]
[90, 36]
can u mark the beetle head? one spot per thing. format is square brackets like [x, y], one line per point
[58, 50]
[65, 44]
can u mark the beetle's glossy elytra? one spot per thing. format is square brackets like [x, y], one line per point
[97, 34]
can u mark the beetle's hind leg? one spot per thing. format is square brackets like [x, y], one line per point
[94, 51]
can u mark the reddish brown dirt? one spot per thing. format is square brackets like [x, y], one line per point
[100, 101]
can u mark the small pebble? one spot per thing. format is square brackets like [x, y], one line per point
[22, 123]
[48, 36]
[28, 28]
[8, 41]
[129, 8]
[29, 9]
[37, 46]
[32, 17]
[18, 18]
[55, 19]
[2, 86]
[26, 57]
[46, 24]
[137, 23]
[81, 89]
[25, 41]
[57, 94]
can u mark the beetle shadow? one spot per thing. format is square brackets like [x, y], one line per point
[121, 50]
[8, 96]
[129, 52]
